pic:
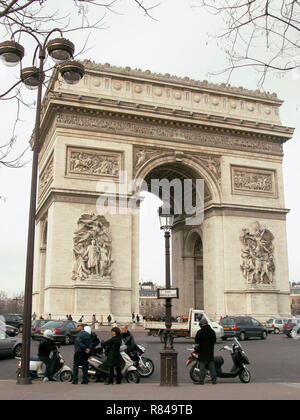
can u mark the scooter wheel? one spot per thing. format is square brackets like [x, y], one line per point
[194, 375]
[148, 370]
[245, 376]
[133, 377]
[66, 376]
[93, 378]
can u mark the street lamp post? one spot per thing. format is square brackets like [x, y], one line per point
[168, 356]
[11, 53]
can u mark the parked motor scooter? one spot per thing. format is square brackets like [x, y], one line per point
[144, 365]
[58, 369]
[239, 359]
[98, 373]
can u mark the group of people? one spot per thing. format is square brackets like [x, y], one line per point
[85, 342]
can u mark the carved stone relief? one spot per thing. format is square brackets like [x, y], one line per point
[211, 162]
[92, 249]
[93, 163]
[257, 254]
[253, 181]
[46, 176]
[153, 129]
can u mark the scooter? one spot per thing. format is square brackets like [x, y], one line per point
[239, 359]
[98, 373]
[59, 370]
[144, 365]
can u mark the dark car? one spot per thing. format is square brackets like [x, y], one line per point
[11, 331]
[295, 333]
[9, 347]
[36, 325]
[14, 320]
[64, 331]
[289, 325]
[243, 327]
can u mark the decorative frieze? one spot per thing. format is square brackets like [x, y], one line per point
[253, 181]
[93, 163]
[165, 131]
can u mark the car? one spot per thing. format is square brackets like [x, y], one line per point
[11, 331]
[64, 331]
[275, 325]
[289, 325]
[36, 325]
[14, 320]
[295, 332]
[243, 327]
[10, 347]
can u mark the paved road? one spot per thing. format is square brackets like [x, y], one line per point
[276, 359]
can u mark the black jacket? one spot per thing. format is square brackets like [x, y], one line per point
[82, 342]
[206, 339]
[128, 340]
[113, 349]
[45, 347]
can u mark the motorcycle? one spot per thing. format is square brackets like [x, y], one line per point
[58, 369]
[98, 372]
[144, 365]
[239, 359]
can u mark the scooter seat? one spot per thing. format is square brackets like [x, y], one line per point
[35, 359]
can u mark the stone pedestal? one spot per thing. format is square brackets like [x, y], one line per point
[168, 367]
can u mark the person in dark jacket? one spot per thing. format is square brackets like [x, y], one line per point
[82, 346]
[127, 338]
[206, 339]
[46, 346]
[113, 357]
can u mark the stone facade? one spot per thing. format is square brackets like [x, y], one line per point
[122, 125]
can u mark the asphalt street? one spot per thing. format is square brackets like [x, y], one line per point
[276, 359]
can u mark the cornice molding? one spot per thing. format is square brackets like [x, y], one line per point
[203, 133]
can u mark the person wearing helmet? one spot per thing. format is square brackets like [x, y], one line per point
[47, 345]
[94, 337]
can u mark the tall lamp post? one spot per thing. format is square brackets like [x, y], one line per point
[12, 53]
[168, 356]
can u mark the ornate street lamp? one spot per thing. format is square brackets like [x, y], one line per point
[33, 77]
[168, 356]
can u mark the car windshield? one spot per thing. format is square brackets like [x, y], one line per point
[270, 321]
[53, 324]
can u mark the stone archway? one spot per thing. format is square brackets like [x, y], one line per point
[187, 245]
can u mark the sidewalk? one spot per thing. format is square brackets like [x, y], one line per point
[9, 390]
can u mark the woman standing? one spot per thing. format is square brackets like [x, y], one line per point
[113, 357]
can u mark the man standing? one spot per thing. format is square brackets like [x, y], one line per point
[206, 339]
[83, 346]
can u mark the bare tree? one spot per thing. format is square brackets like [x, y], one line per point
[264, 34]
[12, 304]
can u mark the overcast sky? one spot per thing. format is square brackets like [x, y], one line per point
[177, 42]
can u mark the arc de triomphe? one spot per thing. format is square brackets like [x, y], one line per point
[119, 125]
